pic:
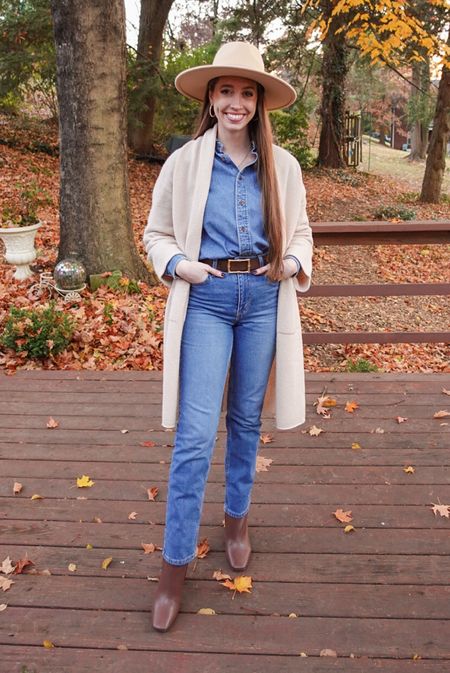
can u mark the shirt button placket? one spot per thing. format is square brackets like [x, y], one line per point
[242, 218]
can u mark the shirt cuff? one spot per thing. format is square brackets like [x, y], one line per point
[299, 266]
[170, 268]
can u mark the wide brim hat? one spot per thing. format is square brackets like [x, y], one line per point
[237, 59]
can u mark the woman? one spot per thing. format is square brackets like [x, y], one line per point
[228, 232]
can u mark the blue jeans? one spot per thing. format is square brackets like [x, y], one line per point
[230, 324]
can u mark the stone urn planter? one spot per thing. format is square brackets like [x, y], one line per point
[20, 250]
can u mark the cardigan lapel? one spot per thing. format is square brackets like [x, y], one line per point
[202, 164]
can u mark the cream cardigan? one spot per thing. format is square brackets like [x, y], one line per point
[175, 226]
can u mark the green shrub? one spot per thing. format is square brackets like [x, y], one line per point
[290, 130]
[394, 213]
[360, 365]
[39, 332]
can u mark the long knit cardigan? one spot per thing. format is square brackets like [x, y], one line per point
[175, 226]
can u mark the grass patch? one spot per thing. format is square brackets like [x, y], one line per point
[361, 365]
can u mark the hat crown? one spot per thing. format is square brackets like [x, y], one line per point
[240, 54]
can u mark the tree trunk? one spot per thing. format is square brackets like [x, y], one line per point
[95, 216]
[419, 127]
[437, 150]
[152, 20]
[332, 112]
[383, 133]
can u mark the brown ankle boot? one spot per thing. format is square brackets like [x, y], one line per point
[237, 542]
[168, 595]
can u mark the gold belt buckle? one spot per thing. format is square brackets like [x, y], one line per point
[230, 261]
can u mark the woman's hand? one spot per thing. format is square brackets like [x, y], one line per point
[195, 272]
[289, 269]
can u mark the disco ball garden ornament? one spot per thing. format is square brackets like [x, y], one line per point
[70, 275]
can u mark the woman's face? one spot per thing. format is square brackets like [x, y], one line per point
[234, 101]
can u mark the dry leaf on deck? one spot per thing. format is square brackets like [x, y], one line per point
[148, 444]
[314, 431]
[106, 562]
[323, 403]
[263, 463]
[445, 391]
[152, 492]
[203, 548]
[132, 515]
[443, 510]
[219, 575]
[5, 583]
[400, 419]
[84, 481]
[6, 566]
[149, 548]
[72, 567]
[441, 414]
[343, 517]
[3, 606]
[328, 653]
[51, 423]
[355, 445]
[36, 496]
[351, 406]
[17, 487]
[21, 564]
[378, 431]
[242, 583]
[48, 644]
[206, 611]
[409, 469]
[266, 438]
[349, 529]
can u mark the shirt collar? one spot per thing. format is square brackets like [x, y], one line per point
[220, 150]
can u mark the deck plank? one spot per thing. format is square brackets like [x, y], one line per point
[378, 596]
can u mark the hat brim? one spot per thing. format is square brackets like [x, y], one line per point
[193, 82]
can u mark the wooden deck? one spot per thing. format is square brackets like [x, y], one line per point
[378, 596]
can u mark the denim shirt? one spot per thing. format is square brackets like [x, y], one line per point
[233, 223]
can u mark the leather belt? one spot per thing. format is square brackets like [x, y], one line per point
[236, 264]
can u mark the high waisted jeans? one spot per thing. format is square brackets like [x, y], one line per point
[230, 324]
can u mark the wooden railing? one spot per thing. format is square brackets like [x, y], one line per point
[380, 233]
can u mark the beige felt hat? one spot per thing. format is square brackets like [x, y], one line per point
[240, 59]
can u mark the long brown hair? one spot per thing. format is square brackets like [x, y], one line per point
[260, 131]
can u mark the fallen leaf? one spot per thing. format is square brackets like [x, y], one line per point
[219, 575]
[441, 414]
[328, 653]
[72, 567]
[378, 431]
[36, 496]
[89, 546]
[343, 517]
[443, 510]
[303, 654]
[203, 548]
[21, 564]
[124, 432]
[206, 611]
[149, 444]
[106, 562]
[84, 481]
[5, 583]
[355, 445]
[314, 431]
[149, 548]
[292, 615]
[322, 404]
[17, 487]
[351, 406]
[3, 606]
[409, 469]
[242, 583]
[416, 657]
[132, 515]
[7, 567]
[400, 419]
[48, 644]
[51, 423]
[263, 463]
[122, 647]
[445, 391]
[349, 529]
[96, 519]
[266, 438]
[152, 492]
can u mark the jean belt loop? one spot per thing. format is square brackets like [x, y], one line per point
[214, 263]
